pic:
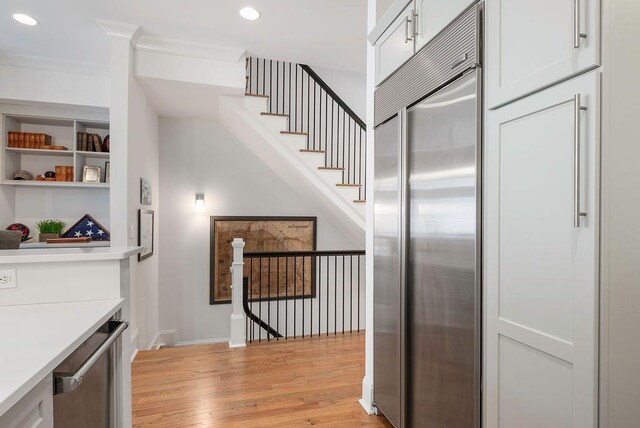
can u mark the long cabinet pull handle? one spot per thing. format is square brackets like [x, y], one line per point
[578, 109]
[578, 35]
[414, 16]
[408, 36]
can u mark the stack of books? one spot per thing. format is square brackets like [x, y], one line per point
[64, 173]
[30, 140]
[90, 143]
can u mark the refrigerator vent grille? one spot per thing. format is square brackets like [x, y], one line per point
[448, 55]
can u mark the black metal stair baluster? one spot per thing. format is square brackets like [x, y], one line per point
[295, 294]
[360, 169]
[251, 295]
[309, 106]
[295, 99]
[332, 104]
[326, 124]
[349, 155]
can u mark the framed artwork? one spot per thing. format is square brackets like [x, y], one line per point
[91, 174]
[145, 233]
[107, 172]
[87, 226]
[145, 192]
[263, 234]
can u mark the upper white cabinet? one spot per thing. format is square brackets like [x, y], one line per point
[541, 252]
[395, 46]
[534, 44]
[432, 16]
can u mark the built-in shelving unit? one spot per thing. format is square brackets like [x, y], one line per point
[64, 132]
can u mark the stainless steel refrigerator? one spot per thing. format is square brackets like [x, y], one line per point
[427, 251]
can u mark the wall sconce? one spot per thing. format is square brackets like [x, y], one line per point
[200, 202]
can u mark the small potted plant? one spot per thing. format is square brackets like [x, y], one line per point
[50, 229]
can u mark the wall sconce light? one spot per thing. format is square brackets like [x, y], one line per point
[200, 202]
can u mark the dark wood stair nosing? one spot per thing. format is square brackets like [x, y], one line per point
[264, 113]
[246, 94]
[312, 151]
[348, 185]
[331, 168]
[294, 133]
[359, 201]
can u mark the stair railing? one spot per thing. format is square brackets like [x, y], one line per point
[315, 110]
[301, 293]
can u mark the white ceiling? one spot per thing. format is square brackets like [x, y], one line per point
[330, 33]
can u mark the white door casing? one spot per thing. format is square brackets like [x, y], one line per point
[541, 272]
[532, 45]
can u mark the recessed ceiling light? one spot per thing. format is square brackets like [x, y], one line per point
[249, 13]
[24, 19]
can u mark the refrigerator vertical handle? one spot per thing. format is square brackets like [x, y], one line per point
[578, 109]
[576, 25]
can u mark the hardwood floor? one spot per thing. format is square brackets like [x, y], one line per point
[295, 383]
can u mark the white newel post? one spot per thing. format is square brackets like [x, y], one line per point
[237, 337]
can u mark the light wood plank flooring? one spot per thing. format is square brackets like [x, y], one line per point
[302, 382]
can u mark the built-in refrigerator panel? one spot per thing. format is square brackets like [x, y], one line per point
[443, 283]
[388, 287]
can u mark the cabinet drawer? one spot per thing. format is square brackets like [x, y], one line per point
[534, 44]
[34, 410]
[395, 46]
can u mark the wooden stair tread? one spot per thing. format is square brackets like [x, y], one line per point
[312, 151]
[294, 133]
[359, 201]
[331, 168]
[264, 113]
[348, 185]
[256, 95]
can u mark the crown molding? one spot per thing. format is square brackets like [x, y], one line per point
[120, 30]
[53, 64]
[189, 49]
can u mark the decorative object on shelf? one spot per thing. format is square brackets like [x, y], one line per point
[145, 192]
[91, 174]
[107, 172]
[19, 227]
[107, 143]
[199, 202]
[50, 229]
[262, 234]
[89, 227]
[49, 174]
[10, 239]
[145, 233]
[63, 173]
[23, 175]
[29, 140]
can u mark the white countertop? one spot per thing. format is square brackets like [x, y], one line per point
[48, 255]
[34, 339]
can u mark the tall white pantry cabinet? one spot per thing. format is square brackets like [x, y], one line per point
[561, 187]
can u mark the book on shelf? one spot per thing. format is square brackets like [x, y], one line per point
[64, 173]
[87, 142]
[29, 140]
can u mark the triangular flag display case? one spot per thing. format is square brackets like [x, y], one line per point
[88, 226]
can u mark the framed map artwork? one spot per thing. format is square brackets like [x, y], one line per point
[269, 279]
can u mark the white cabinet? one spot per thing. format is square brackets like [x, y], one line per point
[34, 410]
[395, 46]
[535, 44]
[432, 16]
[541, 258]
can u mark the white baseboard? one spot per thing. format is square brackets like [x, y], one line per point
[133, 355]
[367, 397]
[203, 342]
[165, 338]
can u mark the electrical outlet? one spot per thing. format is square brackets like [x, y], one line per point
[132, 232]
[8, 278]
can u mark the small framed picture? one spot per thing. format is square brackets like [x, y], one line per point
[145, 233]
[107, 172]
[145, 192]
[91, 174]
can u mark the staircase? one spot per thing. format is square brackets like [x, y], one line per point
[305, 132]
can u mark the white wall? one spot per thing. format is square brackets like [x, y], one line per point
[143, 161]
[201, 156]
[53, 81]
[349, 85]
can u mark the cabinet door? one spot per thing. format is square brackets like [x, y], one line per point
[534, 44]
[395, 46]
[541, 258]
[432, 16]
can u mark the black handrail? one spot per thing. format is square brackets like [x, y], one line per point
[333, 95]
[247, 310]
[256, 255]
